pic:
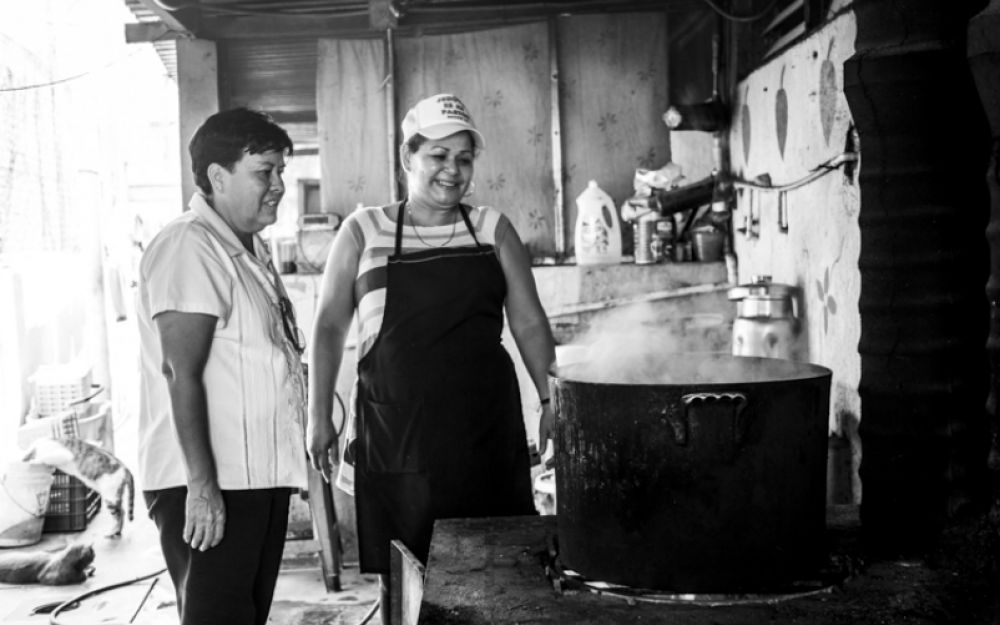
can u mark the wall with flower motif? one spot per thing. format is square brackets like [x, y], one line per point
[790, 116]
[611, 94]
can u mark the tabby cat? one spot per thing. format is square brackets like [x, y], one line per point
[67, 566]
[97, 468]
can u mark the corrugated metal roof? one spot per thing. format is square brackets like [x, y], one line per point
[165, 49]
[267, 48]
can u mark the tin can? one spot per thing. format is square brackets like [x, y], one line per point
[644, 229]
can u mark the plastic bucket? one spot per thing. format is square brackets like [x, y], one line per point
[24, 498]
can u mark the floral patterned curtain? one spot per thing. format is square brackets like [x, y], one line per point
[613, 89]
[351, 115]
[502, 76]
[613, 86]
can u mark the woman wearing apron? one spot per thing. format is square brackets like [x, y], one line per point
[439, 429]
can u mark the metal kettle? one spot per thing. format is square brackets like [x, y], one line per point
[767, 322]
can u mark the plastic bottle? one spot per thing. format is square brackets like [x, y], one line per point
[598, 237]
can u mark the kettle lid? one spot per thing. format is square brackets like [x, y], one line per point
[760, 286]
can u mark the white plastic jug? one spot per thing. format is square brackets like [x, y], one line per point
[598, 238]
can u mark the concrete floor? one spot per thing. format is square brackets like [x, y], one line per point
[300, 596]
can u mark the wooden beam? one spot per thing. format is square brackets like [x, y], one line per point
[294, 117]
[326, 527]
[555, 95]
[150, 32]
[382, 15]
[390, 112]
[406, 585]
[183, 20]
[198, 95]
[418, 20]
[285, 26]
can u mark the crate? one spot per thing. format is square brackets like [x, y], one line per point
[57, 386]
[97, 427]
[71, 504]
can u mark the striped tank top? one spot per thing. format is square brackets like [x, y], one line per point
[375, 235]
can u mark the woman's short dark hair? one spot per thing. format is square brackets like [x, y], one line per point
[225, 136]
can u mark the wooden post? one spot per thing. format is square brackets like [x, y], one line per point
[558, 215]
[390, 112]
[406, 575]
[198, 97]
[984, 60]
[924, 143]
[326, 529]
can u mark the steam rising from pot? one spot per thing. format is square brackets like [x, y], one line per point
[633, 345]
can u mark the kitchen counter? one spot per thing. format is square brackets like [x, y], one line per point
[567, 287]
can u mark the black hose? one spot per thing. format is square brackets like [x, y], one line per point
[53, 620]
[75, 601]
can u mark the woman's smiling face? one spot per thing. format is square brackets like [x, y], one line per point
[440, 170]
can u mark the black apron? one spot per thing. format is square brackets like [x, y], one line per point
[440, 429]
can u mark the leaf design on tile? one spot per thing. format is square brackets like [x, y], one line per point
[647, 160]
[357, 184]
[605, 124]
[568, 172]
[535, 135]
[607, 121]
[827, 301]
[566, 89]
[452, 56]
[645, 75]
[495, 100]
[745, 125]
[536, 219]
[531, 51]
[781, 114]
[604, 36]
[496, 184]
[827, 93]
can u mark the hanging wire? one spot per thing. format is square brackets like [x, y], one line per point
[59, 81]
[741, 18]
[65, 79]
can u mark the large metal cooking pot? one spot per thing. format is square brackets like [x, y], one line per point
[705, 474]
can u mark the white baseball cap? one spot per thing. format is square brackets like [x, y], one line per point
[440, 116]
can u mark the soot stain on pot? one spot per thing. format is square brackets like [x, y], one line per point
[659, 492]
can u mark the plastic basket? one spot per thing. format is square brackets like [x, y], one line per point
[71, 504]
[57, 386]
[97, 427]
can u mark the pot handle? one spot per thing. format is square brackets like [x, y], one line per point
[680, 423]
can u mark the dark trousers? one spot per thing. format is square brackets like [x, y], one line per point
[233, 582]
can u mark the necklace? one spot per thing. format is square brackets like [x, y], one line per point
[416, 229]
